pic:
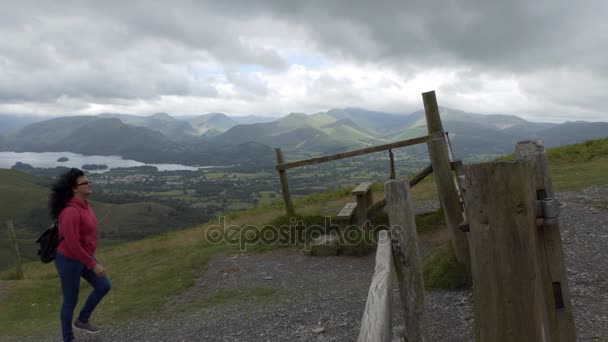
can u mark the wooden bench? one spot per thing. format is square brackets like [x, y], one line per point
[345, 216]
[363, 192]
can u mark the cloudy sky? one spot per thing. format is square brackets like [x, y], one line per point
[542, 60]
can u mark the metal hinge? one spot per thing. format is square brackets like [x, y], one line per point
[547, 211]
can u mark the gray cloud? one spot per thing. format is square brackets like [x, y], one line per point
[105, 52]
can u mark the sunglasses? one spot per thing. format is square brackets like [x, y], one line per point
[84, 183]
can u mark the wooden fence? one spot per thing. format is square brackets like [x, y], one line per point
[503, 226]
[15, 249]
[521, 289]
[440, 165]
[397, 253]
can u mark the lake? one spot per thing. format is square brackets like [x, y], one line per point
[49, 160]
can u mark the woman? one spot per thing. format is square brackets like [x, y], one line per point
[76, 252]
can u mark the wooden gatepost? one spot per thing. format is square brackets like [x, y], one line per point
[505, 273]
[520, 281]
[397, 253]
[448, 194]
[550, 254]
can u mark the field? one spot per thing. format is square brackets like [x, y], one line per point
[147, 273]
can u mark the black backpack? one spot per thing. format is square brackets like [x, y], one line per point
[48, 241]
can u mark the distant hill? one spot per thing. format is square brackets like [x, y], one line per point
[251, 119]
[312, 133]
[472, 135]
[92, 135]
[12, 123]
[572, 132]
[205, 139]
[377, 123]
[170, 127]
[211, 123]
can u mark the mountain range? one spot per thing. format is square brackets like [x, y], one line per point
[219, 139]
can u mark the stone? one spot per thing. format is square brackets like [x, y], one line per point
[325, 245]
[318, 330]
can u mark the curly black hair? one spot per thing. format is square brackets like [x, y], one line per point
[62, 192]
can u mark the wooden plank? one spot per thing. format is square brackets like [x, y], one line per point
[415, 180]
[508, 303]
[289, 210]
[380, 204]
[15, 248]
[446, 189]
[376, 321]
[364, 201]
[347, 212]
[360, 152]
[421, 175]
[550, 249]
[407, 260]
[362, 188]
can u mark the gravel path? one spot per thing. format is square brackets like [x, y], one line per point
[285, 296]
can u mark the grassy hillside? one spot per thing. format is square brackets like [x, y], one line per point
[577, 166]
[18, 192]
[312, 133]
[147, 273]
[23, 199]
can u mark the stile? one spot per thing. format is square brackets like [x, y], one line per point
[551, 254]
[406, 256]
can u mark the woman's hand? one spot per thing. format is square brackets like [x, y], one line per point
[99, 270]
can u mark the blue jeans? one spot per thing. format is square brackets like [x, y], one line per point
[70, 271]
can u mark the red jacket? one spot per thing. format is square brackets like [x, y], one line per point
[78, 228]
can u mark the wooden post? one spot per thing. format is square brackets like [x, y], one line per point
[392, 159]
[448, 196]
[15, 248]
[407, 260]
[508, 303]
[284, 185]
[551, 254]
[376, 321]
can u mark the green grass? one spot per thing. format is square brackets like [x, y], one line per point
[577, 166]
[441, 269]
[27, 250]
[430, 222]
[236, 175]
[144, 275]
[19, 192]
